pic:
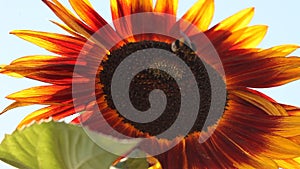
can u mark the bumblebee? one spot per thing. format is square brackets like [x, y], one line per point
[183, 44]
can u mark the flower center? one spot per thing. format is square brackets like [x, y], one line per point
[156, 77]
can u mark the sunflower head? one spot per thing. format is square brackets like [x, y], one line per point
[187, 89]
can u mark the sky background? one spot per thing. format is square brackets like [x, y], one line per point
[282, 17]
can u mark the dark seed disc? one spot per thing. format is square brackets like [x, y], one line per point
[148, 80]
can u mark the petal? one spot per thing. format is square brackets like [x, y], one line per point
[236, 21]
[240, 157]
[166, 6]
[55, 111]
[240, 55]
[281, 148]
[45, 68]
[248, 37]
[69, 30]
[296, 139]
[288, 163]
[124, 25]
[250, 117]
[40, 60]
[68, 18]
[144, 23]
[154, 163]
[292, 110]
[52, 94]
[139, 6]
[167, 9]
[288, 126]
[56, 43]
[200, 14]
[269, 145]
[202, 155]
[245, 124]
[48, 76]
[15, 105]
[284, 77]
[267, 72]
[108, 123]
[278, 51]
[174, 158]
[119, 10]
[86, 12]
[221, 151]
[262, 95]
[223, 30]
[260, 102]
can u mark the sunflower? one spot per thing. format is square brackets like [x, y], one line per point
[252, 131]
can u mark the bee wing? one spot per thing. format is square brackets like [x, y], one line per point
[187, 40]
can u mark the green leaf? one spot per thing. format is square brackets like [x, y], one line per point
[59, 145]
[19, 150]
[136, 163]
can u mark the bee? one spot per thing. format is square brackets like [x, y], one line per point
[183, 44]
[182, 47]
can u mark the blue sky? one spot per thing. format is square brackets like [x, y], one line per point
[282, 17]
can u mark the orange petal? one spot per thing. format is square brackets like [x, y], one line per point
[99, 123]
[240, 55]
[292, 110]
[55, 111]
[57, 43]
[29, 63]
[278, 51]
[248, 37]
[284, 77]
[297, 160]
[68, 29]
[45, 68]
[166, 6]
[88, 14]
[165, 16]
[202, 155]
[251, 117]
[224, 29]
[52, 94]
[281, 148]
[47, 76]
[124, 26]
[68, 18]
[222, 151]
[267, 72]
[39, 60]
[148, 19]
[269, 145]
[236, 21]
[289, 126]
[120, 9]
[288, 163]
[155, 164]
[15, 105]
[200, 14]
[236, 151]
[174, 158]
[260, 102]
[262, 95]
[139, 6]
